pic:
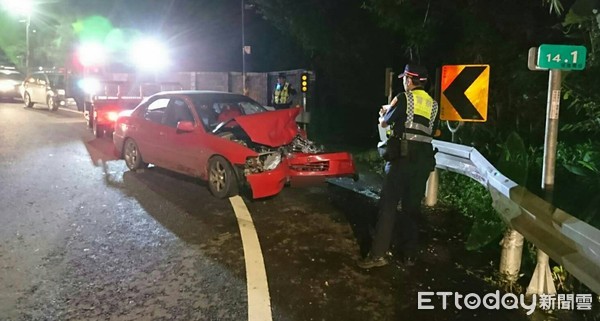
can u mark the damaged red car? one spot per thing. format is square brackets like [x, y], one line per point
[226, 139]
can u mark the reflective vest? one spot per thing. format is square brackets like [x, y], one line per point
[421, 112]
[281, 94]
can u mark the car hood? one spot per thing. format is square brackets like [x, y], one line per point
[272, 128]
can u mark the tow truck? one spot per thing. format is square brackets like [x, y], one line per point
[103, 107]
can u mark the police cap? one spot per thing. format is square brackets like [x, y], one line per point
[414, 71]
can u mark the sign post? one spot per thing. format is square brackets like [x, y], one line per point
[554, 58]
[551, 136]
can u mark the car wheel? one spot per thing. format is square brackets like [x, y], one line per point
[98, 130]
[132, 155]
[27, 100]
[51, 105]
[222, 181]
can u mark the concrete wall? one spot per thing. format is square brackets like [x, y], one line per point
[260, 85]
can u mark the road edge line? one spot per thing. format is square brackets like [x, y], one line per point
[259, 301]
[71, 110]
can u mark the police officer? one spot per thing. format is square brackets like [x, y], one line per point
[282, 96]
[413, 118]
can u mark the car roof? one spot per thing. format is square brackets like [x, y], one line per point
[203, 93]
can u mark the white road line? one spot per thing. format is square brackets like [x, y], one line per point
[259, 301]
[71, 110]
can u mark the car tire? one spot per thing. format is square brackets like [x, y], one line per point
[27, 100]
[51, 105]
[132, 155]
[222, 181]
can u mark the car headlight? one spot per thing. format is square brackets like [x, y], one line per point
[271, 161]
[263, 162]
[60, 92]
[7, 85]
[4, 86]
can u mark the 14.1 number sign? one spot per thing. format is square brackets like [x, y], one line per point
[563, 57]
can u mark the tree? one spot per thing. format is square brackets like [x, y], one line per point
[12, 39]
[348, 52]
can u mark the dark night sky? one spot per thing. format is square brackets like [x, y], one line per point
[202, 34]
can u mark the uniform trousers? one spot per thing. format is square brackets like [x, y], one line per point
[405, 181]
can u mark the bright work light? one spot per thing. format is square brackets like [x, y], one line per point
[149, 54]
[92, 54]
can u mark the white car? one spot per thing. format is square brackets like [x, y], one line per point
[42, 87]
[10, 80]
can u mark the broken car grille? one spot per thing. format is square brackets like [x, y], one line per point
[311, 167]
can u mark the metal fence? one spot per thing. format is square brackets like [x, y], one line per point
[567, 240]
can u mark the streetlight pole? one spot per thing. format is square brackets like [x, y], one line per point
[243, 51]
[27, 46]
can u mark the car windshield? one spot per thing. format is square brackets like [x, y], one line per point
[219, 108]
[57, 80]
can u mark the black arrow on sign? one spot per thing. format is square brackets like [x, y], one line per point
[456, 92]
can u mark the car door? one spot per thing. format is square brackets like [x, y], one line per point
[39, 89]
[150, 129]
[29, 86]
[182, 149]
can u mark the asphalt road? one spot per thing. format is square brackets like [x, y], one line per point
[83, 238]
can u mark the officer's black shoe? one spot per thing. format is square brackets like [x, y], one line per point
[371, 262]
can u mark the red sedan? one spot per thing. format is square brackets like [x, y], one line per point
[227, 139]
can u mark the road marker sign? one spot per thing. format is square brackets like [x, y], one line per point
[565, 57]
[465, 92]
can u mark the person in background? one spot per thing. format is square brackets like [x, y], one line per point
[413, 118]
[283, 93]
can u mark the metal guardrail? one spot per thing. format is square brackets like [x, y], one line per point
[567, 240]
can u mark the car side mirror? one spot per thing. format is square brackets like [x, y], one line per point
[185, 126]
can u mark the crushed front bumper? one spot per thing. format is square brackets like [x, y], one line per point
[303, 169]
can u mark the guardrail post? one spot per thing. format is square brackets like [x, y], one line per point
[432, 188]
[541, 281]
[510, 258]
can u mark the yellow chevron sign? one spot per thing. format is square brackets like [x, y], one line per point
[465, 92]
